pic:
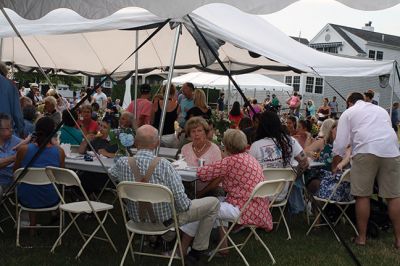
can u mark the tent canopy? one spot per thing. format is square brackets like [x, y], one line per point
[245, 81]
[95, 9]
[101, 51]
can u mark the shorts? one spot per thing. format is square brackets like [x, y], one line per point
[366, 167]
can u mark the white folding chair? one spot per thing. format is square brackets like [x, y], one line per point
[66, 177]
[289, 176]
[153, 193]
[342, 206]
[8, 201]
[34, 176]
[270, 189]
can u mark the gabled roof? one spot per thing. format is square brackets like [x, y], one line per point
[300, 40]
[350, 41]
[369, 36]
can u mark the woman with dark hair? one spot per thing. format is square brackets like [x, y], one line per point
[39, 196]
[291, 124]
[235, 115]
[29, 112]
[69, 132]
[303, 133]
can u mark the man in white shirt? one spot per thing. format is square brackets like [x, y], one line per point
[375, 154]
[100, 98]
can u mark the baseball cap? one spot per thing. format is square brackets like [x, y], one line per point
[34, 85]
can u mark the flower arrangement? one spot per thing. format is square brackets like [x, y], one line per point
[221, 123]
[123, 138]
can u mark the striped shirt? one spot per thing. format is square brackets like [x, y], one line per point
[164, 174]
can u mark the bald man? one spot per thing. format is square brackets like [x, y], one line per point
[203, 210]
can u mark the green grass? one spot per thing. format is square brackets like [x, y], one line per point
[320, 248]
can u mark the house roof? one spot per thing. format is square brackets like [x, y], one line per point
[300, 40]
[369, 36]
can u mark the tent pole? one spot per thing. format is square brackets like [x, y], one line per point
[229, 86]
[136, 74]
[1, 49]
[169, 79]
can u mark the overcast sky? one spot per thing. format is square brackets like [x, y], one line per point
[309, 16]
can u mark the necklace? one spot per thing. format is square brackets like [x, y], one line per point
[201, 149]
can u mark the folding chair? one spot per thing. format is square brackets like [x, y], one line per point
[66, 177]
[342, 206]
[153, 193]
[34, 176]
[9, 201]
[289, 176]
[271, 189]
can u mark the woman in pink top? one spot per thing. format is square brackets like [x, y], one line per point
[200, 148]
[88, 125]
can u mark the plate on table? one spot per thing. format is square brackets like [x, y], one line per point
[75, 156]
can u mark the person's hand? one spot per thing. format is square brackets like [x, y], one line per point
[102, 152]
[23, 142]
[90, 136]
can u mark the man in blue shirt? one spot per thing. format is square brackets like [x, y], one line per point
[186, 103]
[9, 102]
[7, 152]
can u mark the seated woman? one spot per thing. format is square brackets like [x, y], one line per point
[303, 133]
[200, 147]
[237, 186]
[276, 149]
[39, 196]
[70, 134]
[88, 125]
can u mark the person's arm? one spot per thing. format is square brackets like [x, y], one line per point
[343, 162]
[301, 158]
[316, 146]
[174, 183]
[154, 109]
[342, 136]
[213, 171]
[20, 156]
[4, 162]
[104, 152]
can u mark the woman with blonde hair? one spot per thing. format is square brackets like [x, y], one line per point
[168, 138]
[200, 106]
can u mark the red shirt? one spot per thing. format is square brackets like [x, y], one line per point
[90, 128]
[143, 111]
[235, 119]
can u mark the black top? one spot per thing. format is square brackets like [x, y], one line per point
[99, 143]
[170, 118]
[196, 111]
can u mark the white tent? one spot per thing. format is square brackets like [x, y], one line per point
[245, 81]
[101, 51]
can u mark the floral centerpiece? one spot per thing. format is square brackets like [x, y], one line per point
[221, 123]
[123, 138]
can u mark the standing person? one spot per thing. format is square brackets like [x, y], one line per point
[324, 111]
[369, 97]
[293, 102]
[33, 93]
[375, 152]
[334, 107]
[9, 101]
[275, 103]
[220, 101]
[100, 98]
[186, 103]
[143, 107]
[395, 116]
[168, 138]
[200, 107]
[235, 115]
[256, 107]
[204, 210]
[310, 107]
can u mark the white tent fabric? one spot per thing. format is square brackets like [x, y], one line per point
[101, 52]
[245, 81]
[95, 9]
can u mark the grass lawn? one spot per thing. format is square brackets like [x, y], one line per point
[320, 248]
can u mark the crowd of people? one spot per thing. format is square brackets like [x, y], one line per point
[261, 136]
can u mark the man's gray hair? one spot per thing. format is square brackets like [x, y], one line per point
[146, 136]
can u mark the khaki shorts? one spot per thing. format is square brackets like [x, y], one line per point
[366, 167]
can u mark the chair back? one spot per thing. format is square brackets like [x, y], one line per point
[62, 176]
[279, 173]
[34, 176]
[144, 192]
[268, 188]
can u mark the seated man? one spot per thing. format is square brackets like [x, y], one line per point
[204, 210]
[8, 141]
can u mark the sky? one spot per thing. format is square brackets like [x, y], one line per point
[306, 18]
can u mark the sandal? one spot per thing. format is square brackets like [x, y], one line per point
[354, 241]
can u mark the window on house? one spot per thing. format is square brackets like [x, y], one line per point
[288, 80]
[309, 84]
[379, 55]
[296, 83]
[371, 54]
[319, 85]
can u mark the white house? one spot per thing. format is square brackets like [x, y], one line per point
[349, 42]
